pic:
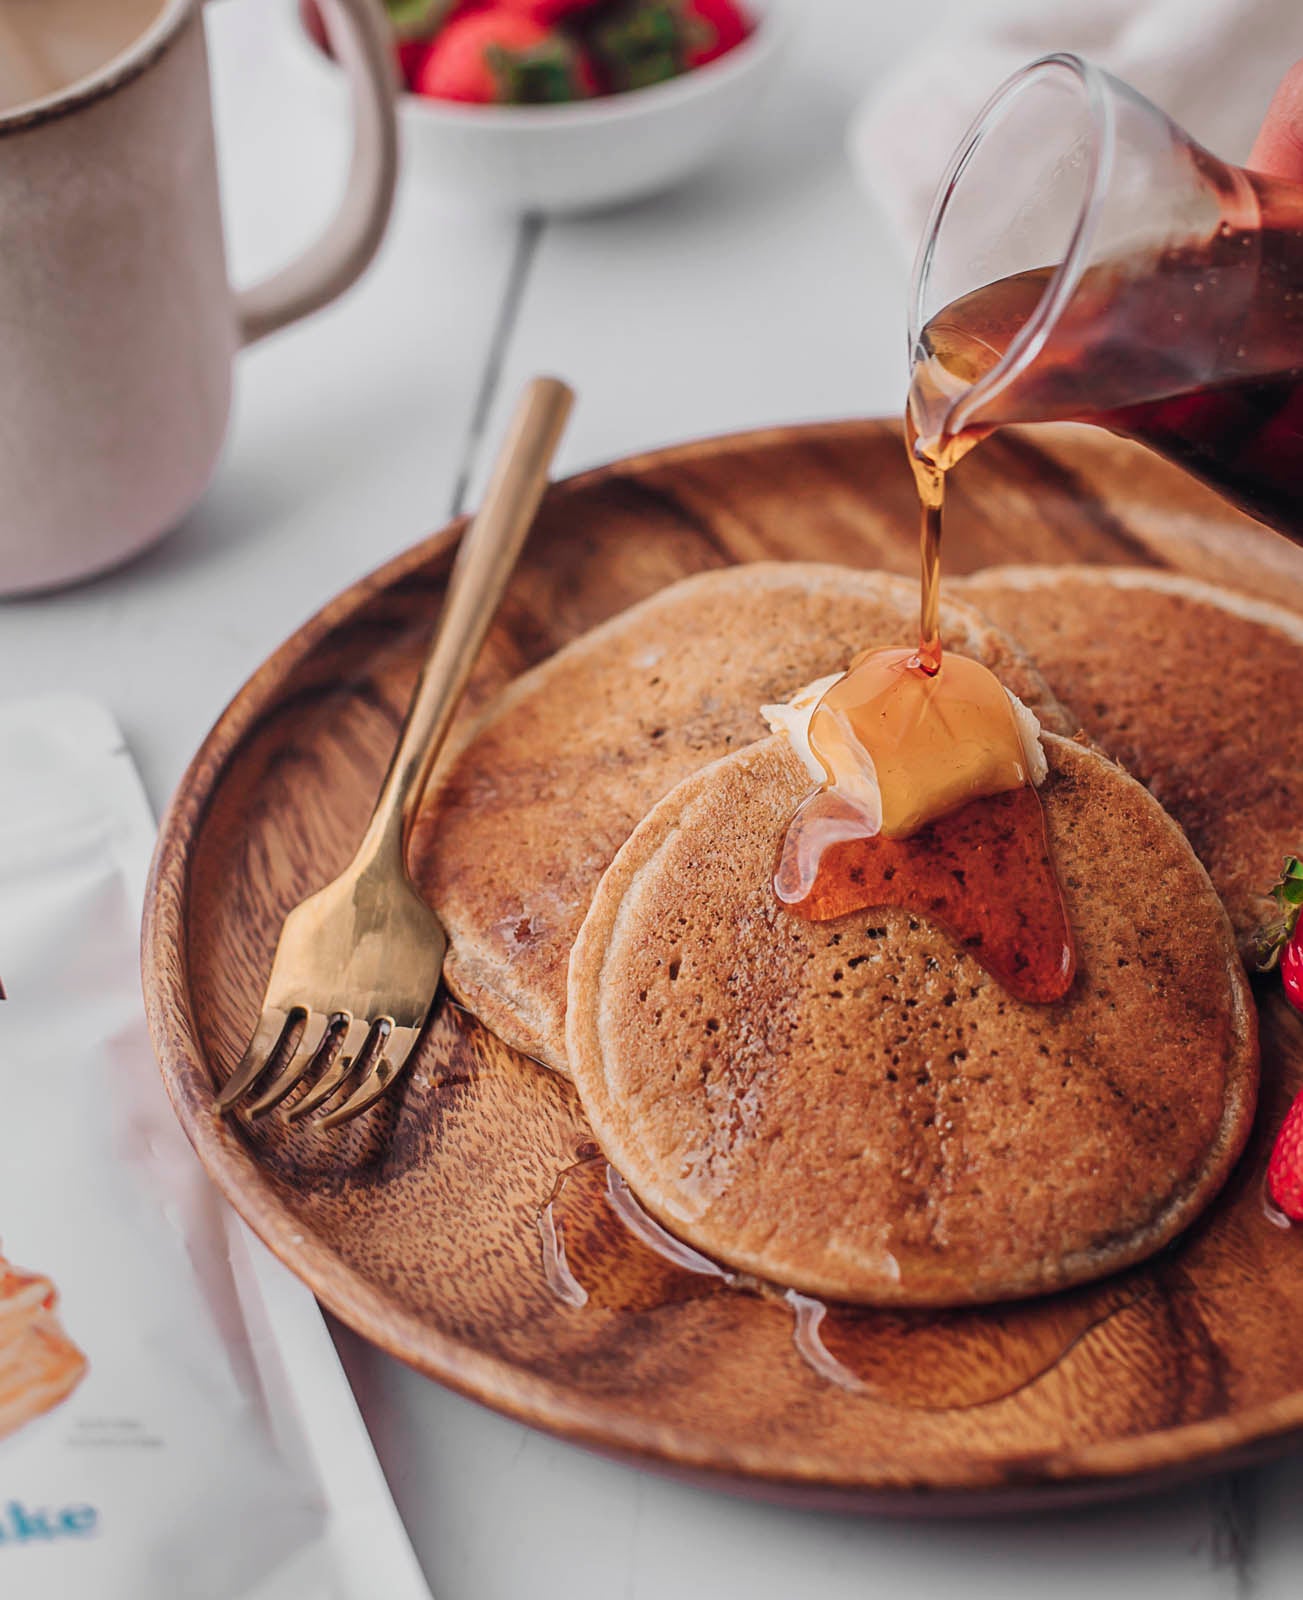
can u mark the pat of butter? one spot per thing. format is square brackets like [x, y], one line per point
[860, 785]
[792, 717]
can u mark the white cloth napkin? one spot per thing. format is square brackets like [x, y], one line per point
[209, 1445]
[1213, 65]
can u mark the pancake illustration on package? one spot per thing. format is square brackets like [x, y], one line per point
[39, 1364]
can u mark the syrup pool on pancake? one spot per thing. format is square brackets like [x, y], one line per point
[927, 800]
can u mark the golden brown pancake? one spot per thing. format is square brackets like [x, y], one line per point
[522, 823]
[1193, 689]
[855, 1108]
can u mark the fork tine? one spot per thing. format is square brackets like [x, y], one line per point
[359, 1030]
[296, 1068]
[390, 1060]
[266, 1036]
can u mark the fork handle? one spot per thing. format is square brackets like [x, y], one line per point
[486, 558]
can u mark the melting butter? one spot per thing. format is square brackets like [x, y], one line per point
[904, 748]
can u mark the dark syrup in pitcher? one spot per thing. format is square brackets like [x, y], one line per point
[1196, 352]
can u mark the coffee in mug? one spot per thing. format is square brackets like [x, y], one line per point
[49, 45]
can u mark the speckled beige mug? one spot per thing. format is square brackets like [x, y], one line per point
[117, 324]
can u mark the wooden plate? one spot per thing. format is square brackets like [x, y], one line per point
[419, 1227]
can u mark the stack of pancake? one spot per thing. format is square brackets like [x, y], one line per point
[856, 1108]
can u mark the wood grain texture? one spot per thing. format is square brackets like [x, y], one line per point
[419, 1226]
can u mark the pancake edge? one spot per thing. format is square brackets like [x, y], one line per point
[1159, 580]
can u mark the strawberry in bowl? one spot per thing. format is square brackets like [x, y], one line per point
[504, 57]
[473, 44]
[565, 105]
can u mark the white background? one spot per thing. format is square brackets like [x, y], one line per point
[767, 291]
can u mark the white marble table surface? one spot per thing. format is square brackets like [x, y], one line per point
[765, 292]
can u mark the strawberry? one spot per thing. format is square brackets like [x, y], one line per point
[646, 41]
[1285, 1169]
[638, 45]
[502, 57]
[409, 49]
[411, 58]
[711, 29]
[1279, 942]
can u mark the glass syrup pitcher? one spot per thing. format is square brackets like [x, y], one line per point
[1085, 260]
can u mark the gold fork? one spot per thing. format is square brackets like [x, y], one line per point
[358, 963]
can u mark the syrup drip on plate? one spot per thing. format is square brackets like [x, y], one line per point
[623, 1262]
[556, 1268]
[620, 1203]
[809, 1314]
[1271, 1210]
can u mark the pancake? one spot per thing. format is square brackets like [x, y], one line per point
[855, 1108]
[1192, 689]
[518, 828]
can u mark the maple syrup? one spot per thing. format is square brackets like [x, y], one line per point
[1270, 1209]
[591, 1189]
[1197, 352]
[984, 873]
[929, 803]
[937, 738]
[627, 1264]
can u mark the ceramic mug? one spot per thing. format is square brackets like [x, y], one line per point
[119, 326]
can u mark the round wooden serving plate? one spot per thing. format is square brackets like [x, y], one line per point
[419, 1225]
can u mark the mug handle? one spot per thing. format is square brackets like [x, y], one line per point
[359, 37]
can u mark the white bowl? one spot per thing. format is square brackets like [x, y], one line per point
[583, 155]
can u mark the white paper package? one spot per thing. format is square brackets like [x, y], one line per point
[173, 1418]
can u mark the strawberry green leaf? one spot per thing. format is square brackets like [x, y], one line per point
[1289, 888]
[640, 45]
[418, 19]
[1287, 892]
[548, 74]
